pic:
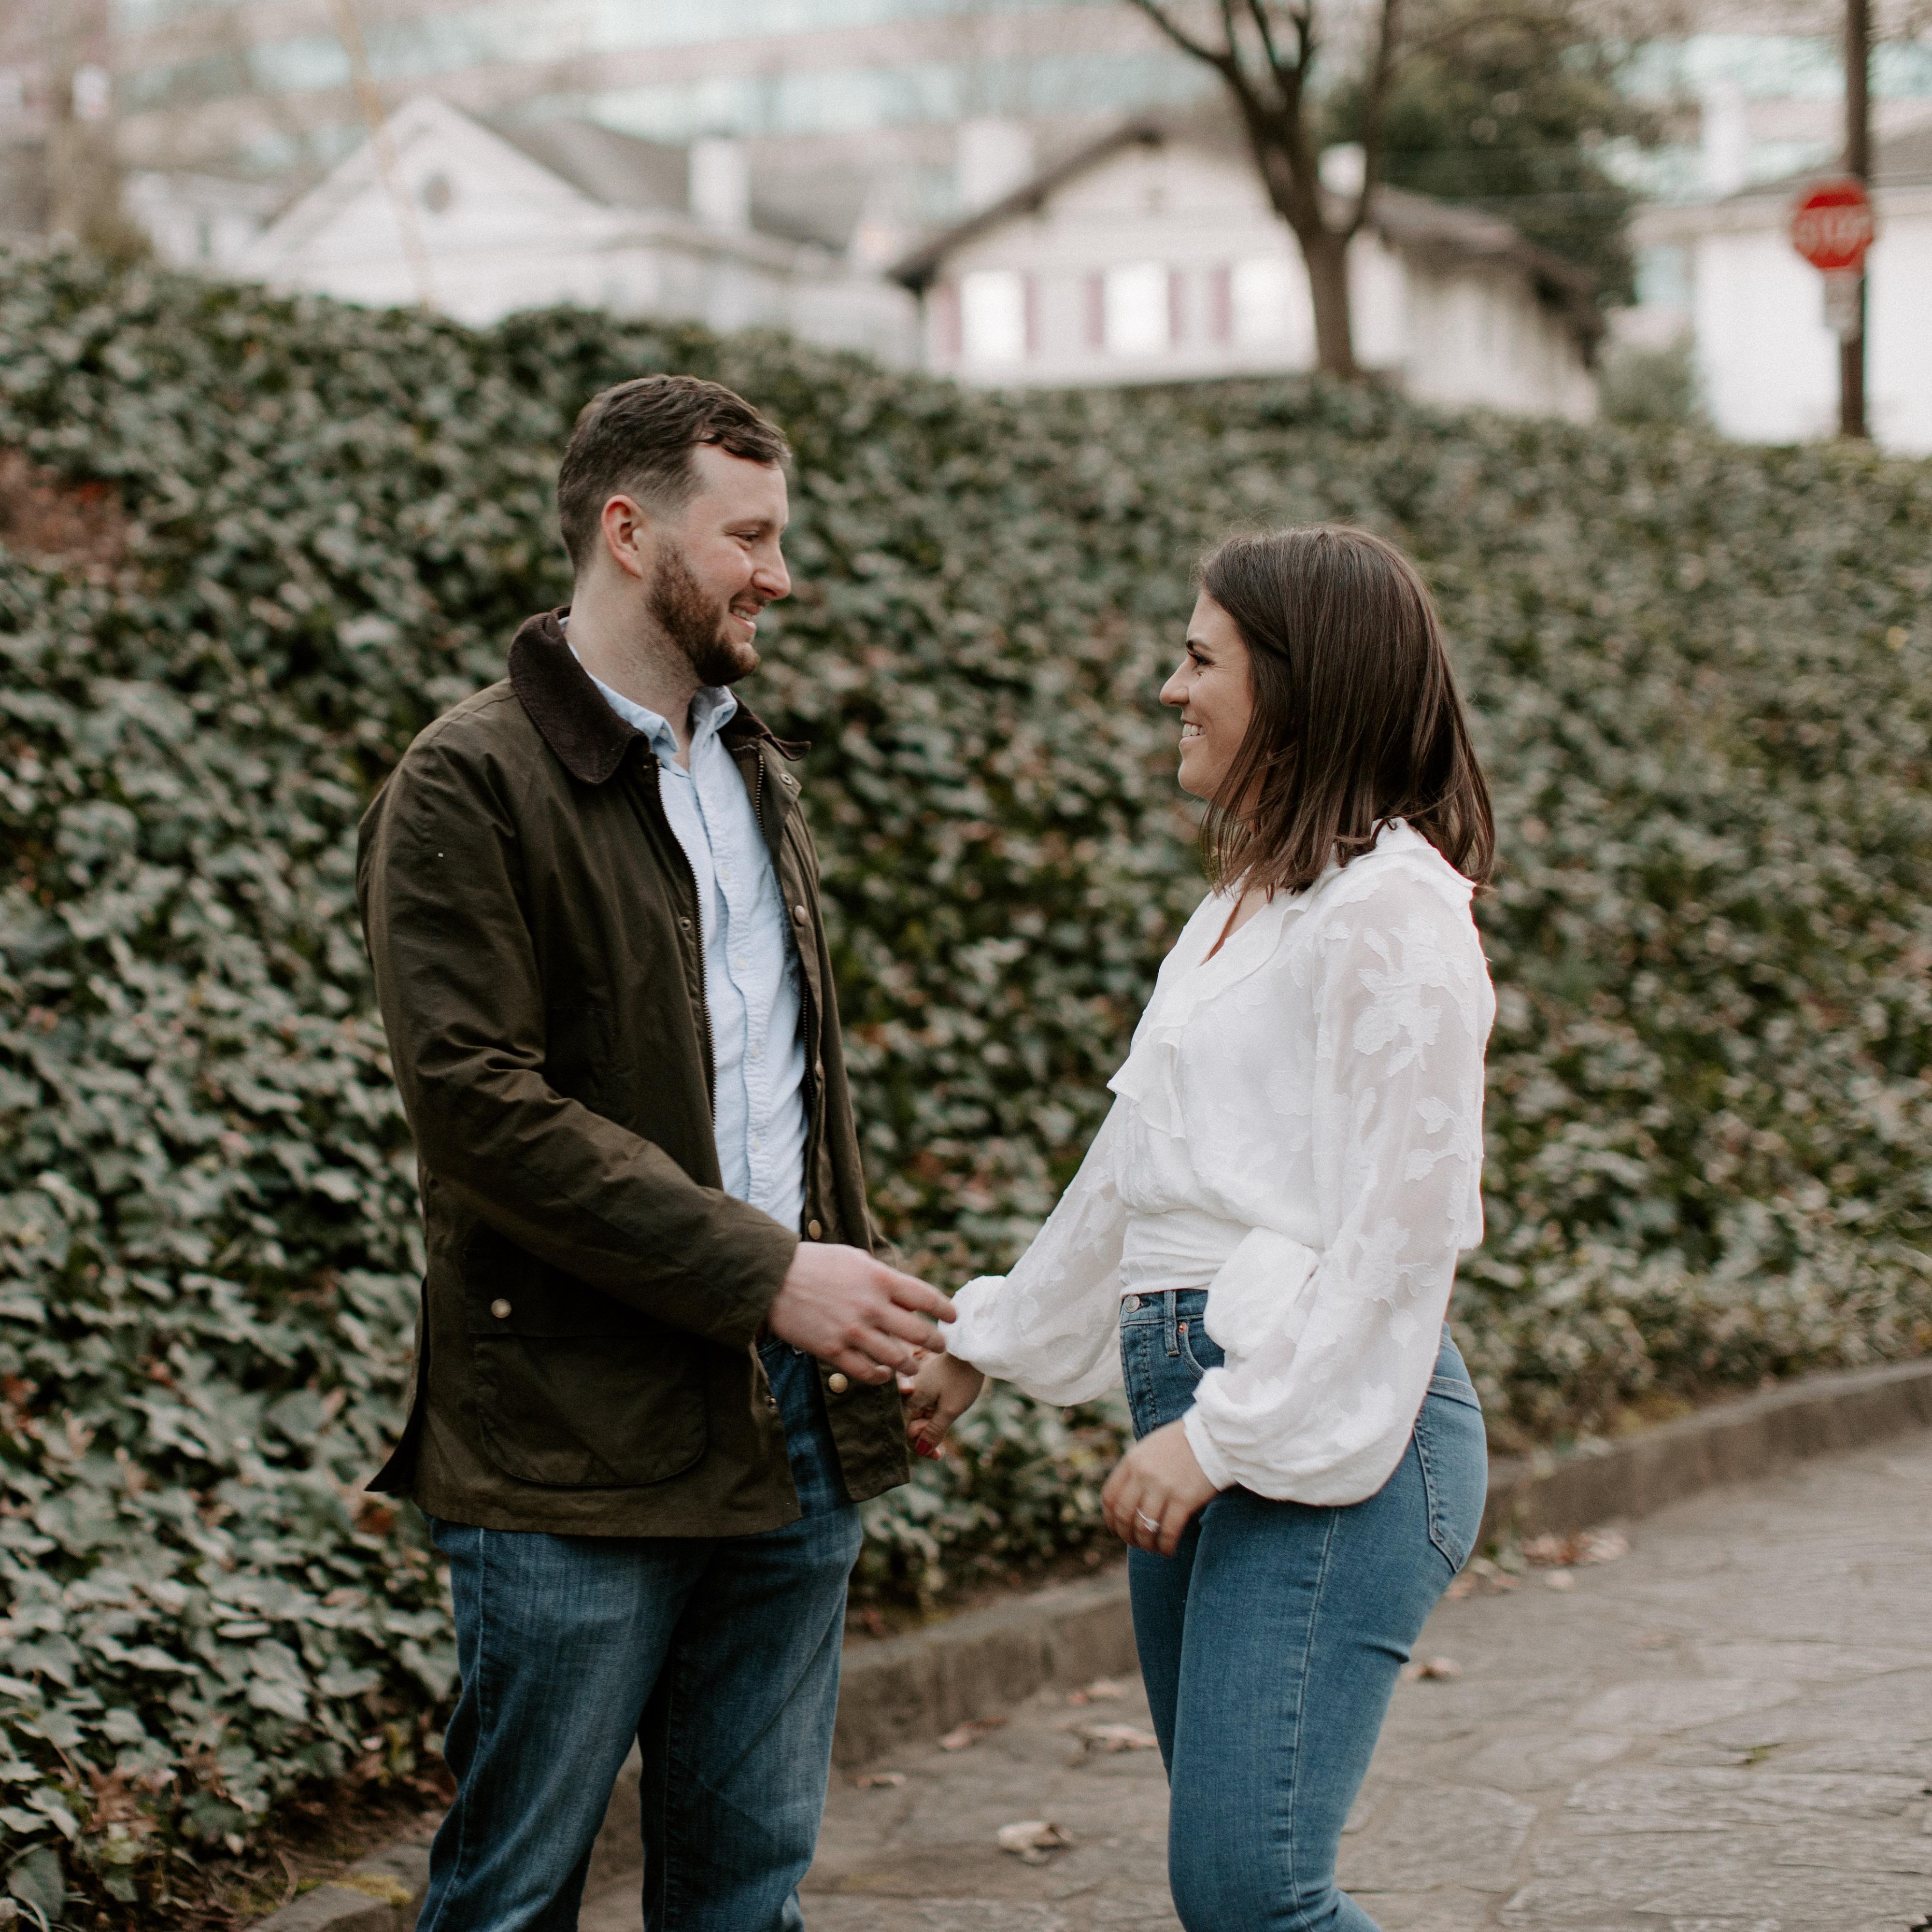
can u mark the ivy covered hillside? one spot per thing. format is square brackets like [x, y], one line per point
[248, 548]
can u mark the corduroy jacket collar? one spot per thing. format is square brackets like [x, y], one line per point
[586, 735]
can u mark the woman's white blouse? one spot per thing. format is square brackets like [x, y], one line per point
[1298, 1128]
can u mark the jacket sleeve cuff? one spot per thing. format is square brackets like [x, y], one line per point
[1213, 1465]
[761, 1251]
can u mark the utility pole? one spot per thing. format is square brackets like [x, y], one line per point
[1857, 163]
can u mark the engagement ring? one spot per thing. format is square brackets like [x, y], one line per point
[1152, 1522]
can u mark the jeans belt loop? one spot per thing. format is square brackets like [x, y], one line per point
[1172, 1298]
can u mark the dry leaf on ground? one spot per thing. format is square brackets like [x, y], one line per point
[970, 1732]
[1101, 1690]
[1443, 1669]
[1561, 1579]
[1481, 1575]
[1116, 1737]
[1587, 1546]
[868, 1781]
[1032, 1839]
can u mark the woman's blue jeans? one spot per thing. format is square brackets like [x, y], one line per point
[718, 1655]
[1271, 1640]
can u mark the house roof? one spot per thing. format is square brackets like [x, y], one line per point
[622, 170]
[619, 170]
[1902, 159]
[1437, 232]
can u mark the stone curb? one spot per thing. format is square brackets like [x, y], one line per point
[381, 1893]
[912, 1688]
[1729, 1442]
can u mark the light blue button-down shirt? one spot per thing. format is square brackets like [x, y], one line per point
[751, 970]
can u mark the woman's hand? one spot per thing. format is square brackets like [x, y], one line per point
[939, 1391]
[1156, 1491]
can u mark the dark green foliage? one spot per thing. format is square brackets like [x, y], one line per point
[1653, 388]
[1700, 672]
[1514, 113]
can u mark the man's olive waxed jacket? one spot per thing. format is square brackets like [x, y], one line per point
[587, 1357]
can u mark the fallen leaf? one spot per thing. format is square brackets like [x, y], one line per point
[1116, 1737]
[1561, 1579]
[1481, 1574]
[1032, 1839]
[970, 1732]
[1443, 1669]
[1587, 1546]
[868, 1781]
[1101, 1690]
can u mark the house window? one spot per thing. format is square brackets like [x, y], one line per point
[1095, 317]
[1220, 304]
[1262, 292]
[1134, 297]
[1177, 307]
[993, 316]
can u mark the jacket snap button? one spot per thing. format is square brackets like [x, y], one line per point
[772, 1403]
[815, 1229]
[500, 1309]
[837, 1384]
[685, 923]
[798, 914]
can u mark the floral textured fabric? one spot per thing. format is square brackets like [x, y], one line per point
[1298, 1128]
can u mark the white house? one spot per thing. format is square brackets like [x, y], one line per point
[479, 221]
[1152, 256]
[1724, 272]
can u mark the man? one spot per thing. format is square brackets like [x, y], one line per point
[646, 1408]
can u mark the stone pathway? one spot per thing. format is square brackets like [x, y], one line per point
[1728, 1729]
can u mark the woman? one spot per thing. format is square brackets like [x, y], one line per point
[1266, 1225]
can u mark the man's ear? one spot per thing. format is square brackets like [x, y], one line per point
[629, 535]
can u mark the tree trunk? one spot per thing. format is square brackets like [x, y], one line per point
[1297, 197]
[1326, 252]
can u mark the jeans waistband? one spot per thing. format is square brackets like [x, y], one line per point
[1174, 1304]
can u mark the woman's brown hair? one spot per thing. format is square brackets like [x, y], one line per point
[1357, 720]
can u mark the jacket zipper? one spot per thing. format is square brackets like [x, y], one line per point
[697, 927]
[804, 991]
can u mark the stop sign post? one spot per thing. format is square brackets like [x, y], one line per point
[1832, 226]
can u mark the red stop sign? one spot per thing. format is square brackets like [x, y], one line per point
[1831, 227]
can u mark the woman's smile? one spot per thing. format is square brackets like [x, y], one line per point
[1212, 690]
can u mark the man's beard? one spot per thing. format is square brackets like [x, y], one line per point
[695, 622]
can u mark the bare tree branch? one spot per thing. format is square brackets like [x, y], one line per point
[1257, 10]
[1381, 75]
[1222, 62]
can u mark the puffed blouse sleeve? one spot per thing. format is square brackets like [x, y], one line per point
[1050, 1326]
[1320, 1388]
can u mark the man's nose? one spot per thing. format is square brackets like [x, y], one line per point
[772, 578]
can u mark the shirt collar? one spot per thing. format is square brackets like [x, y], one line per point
[712, 709]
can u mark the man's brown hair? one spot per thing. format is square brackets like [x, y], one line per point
[636, 440]
[1357, 720]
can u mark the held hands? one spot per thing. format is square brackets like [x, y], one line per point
[939, 1391]
[1156, 1491]
[839, 1304]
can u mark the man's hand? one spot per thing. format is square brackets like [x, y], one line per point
[841, 1305]
[938, 1393]
[1156, 1491]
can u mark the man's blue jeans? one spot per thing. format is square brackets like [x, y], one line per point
[719, 1655]
[1270, 1641]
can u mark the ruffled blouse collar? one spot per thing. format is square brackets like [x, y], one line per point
[1194, 973]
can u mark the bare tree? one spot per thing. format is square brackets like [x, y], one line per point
[1265, 53]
